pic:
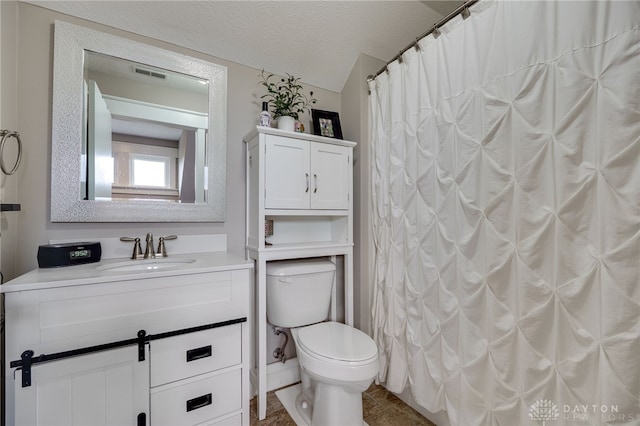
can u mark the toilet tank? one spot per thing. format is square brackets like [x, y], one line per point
[299, 291]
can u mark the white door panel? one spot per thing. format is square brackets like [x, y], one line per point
[330, 176]
[287, 176]
[103, 388]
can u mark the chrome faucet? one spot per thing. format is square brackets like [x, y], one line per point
[149, 252]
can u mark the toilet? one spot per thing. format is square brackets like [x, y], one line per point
[337, 362]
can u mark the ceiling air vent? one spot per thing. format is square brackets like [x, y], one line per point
[150, 73]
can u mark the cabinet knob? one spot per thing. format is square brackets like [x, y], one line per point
[315, 183]
[307, 176]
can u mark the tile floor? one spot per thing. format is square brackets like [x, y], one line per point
[381, 408]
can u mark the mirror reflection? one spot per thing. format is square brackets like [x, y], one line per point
[144, 134]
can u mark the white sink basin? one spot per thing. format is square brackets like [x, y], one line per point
[145, 265]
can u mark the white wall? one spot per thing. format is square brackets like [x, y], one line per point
[8, 120]
[34, 29]
[8, 184]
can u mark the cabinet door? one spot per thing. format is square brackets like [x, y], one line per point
[329, 176]
[104, 388]
[287, 175]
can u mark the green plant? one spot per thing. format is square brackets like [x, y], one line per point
[286, 96]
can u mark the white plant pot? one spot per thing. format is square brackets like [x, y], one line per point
[287, 123]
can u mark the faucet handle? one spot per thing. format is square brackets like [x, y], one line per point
[161, 248]
[137, 249]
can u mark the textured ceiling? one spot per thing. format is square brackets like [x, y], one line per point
[318, 41]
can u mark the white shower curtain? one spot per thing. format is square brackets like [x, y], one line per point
[506, 216]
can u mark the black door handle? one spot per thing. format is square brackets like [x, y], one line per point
[199, 402]
[198, 353]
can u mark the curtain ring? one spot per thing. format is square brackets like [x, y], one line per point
[6, 134]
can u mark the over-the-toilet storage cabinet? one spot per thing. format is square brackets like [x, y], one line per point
[301, 184]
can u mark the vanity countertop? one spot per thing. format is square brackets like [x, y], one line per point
[95, 273]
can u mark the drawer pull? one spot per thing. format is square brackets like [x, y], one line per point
[199, 402]
[198, 353]
[142, 419]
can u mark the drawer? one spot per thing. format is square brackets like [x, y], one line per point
[188, 355]
[197, 401]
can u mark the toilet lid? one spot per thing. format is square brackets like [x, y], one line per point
[337, 341]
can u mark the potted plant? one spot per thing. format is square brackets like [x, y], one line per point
[287, 99]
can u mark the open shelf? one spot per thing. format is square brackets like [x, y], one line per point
[299, 250]
[294, 212]
[308, 229]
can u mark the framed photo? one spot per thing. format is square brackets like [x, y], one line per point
[326, 123]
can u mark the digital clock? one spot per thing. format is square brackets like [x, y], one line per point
[80, 254]
[67, 254]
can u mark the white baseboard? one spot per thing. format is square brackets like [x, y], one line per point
[278, 375]
[283, 374]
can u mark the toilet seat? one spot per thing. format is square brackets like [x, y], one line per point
[324, 363]
[334, 341]
[337, 341]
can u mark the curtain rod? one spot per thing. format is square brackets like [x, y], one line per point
[461, 10]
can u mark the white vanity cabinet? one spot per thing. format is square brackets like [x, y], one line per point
[299, 188]
[167, 347]
[301, 174]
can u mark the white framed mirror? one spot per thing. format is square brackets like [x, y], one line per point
[138, 132]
